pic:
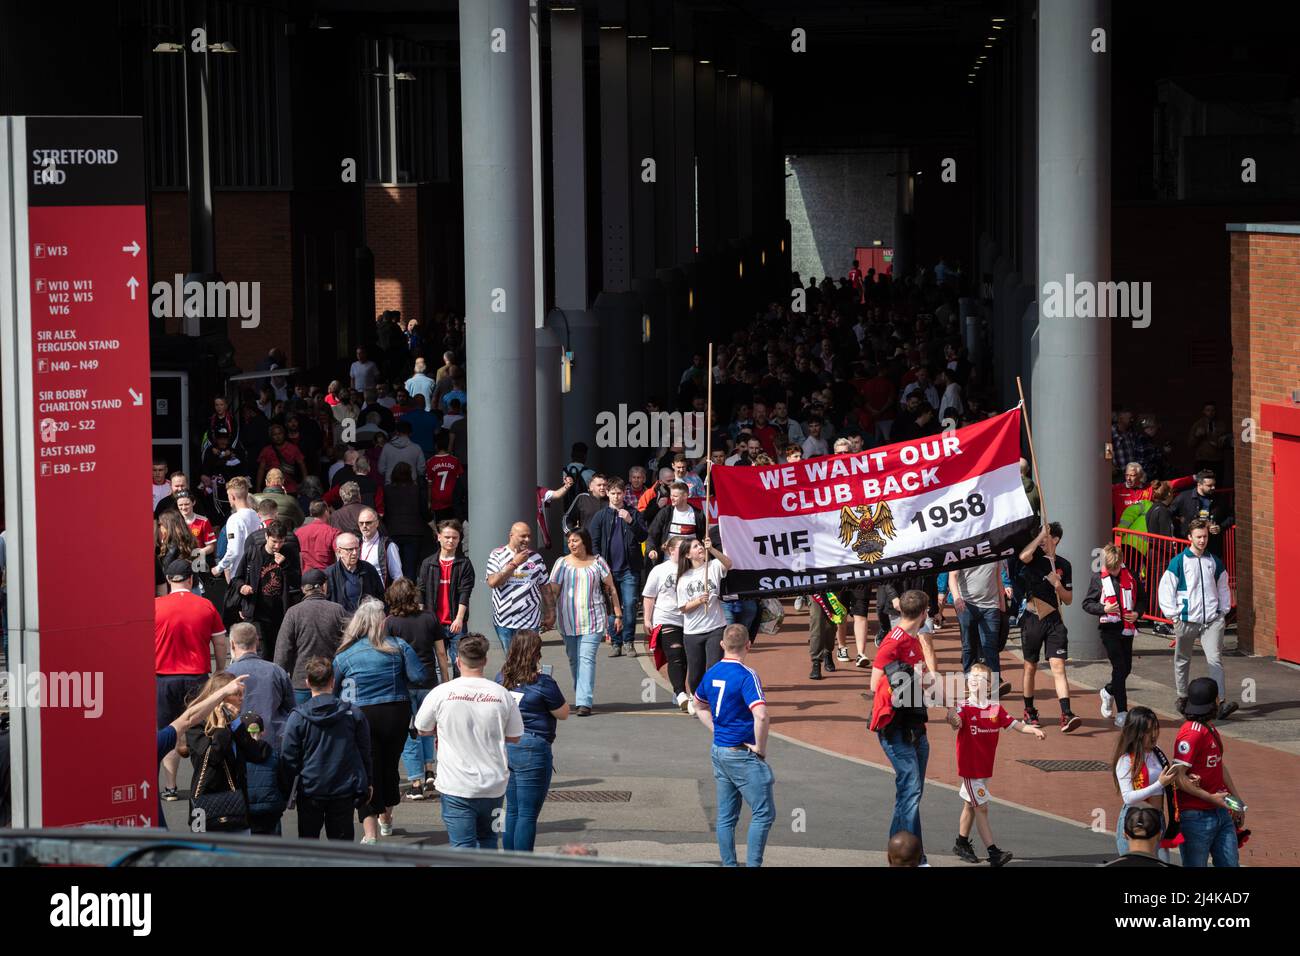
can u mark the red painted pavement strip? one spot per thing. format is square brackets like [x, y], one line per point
[832, 714]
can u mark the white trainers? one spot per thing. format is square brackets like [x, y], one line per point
[1107, 703]
[368, 841]
[680, 700]
[1120, 718]
[690, 706]
[385, 829]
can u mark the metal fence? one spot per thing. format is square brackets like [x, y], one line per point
[1148, 555]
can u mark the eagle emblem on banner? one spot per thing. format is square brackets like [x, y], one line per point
[872, 527]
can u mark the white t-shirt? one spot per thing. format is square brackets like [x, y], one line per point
[161, 491]
[694, 583]
[682, 522]
[473, 717]
[661, 584]
[364, 375]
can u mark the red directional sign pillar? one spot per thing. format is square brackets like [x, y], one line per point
[74, 330]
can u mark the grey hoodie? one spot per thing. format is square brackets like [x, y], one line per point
[400, 449]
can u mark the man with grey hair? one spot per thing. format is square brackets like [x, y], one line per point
[377, 549]
[268, 692]
[345, 517]
[349, 579]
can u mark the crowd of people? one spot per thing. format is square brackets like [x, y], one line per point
[321, 547]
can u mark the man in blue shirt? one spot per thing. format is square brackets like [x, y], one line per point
[729, 701]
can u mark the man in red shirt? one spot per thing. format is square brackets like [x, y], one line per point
[1210, 809]
[978, 723]
[185, 627]
[898, 712]
[1135, 488]
[442, 471]
[284, 455]
[764, 431]
[316, 538]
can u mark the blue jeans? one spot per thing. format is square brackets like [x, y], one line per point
[980, 628]
[530, 779]
[908, 757]
[505, 635]
[469, 821]
[742, 774]
[628, 592]
[740, 612]
[420, 752]
[301, 697]
[1206, 834]
[1121, 841]
[581, 649]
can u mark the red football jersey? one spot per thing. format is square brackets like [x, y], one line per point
[1199, 747]
[441, 472]
[201, 528]
[977, 741]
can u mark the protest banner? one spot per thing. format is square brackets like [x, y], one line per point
[928, 505]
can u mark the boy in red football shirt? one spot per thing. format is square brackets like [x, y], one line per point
[1207, 817]
[978, 723]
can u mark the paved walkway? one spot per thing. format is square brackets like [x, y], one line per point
[1262, 741]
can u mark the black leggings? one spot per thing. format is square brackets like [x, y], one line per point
[670, 639]
[702, 652]
[388, 727]
[1120, 651]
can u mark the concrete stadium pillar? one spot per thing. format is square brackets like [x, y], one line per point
[1070, 407]
[499, 292]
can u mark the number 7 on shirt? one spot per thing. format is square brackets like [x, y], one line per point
[721, 685]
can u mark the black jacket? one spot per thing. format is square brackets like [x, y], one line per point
[430, 579]
[1160, 520]
[327, 747]
[609, 531]
[249, 571]
[658, 532]
[230, 751]
[1092, 600]
[1186, 509]
[371, 585]
[292, 551]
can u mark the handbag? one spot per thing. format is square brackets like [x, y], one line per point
[222, 810]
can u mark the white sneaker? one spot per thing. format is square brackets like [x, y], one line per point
[690, 706]
[1107, 703]
[368, 841]
[1120, 718]
[799, 603]
[385, 829]
[680, 700]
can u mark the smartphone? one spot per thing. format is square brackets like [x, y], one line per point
[548, 669]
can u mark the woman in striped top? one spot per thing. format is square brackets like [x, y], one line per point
[577, 580]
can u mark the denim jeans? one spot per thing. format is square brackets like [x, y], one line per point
[908, 757]
[628, 592]
[581, 649]
[980, 627]
[530, 779]
[1206, 834]
[469, 821]
[420, 752]
[743, 774]
[505, 635]
[1121, 841]
[301, 697]
[740, 612]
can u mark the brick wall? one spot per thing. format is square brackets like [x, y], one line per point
[392, 233]
[254, 244]
[1265, 289]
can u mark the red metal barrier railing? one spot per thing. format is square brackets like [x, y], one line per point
[1148, 555]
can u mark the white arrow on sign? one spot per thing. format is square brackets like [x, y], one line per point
[144, 787]
[133, 248]
[131, 283]
[145, 821]
[136, 397]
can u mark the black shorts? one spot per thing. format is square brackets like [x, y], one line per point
[1037, 634]
[171, 691]
[858, 599]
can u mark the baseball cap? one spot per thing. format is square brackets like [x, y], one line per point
[1201, 695]
[313, 577]
[180, 568]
